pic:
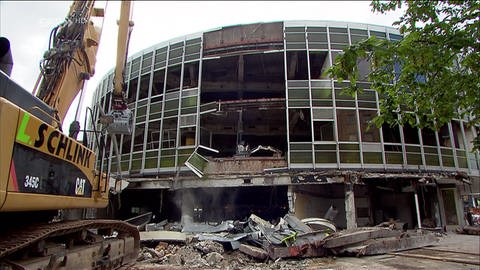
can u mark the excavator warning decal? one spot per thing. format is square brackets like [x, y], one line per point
[42, 137]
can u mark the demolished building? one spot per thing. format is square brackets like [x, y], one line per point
[243, 119]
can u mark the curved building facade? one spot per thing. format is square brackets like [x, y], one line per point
[252, 105]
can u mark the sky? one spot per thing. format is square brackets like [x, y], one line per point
[28, 24]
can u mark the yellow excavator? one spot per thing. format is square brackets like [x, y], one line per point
[43, 170]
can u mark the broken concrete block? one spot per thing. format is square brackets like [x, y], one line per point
[163, 236]
[344, 239]
[253, 251]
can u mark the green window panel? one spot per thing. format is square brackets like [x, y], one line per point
[345, 146]
[150, 163]
[462, 158]
[171, 113]
[448, 161]
[151, 154]
[321, 93]
[295, 46]
[301, 157]
[349, 157]
[189, 110]
[137, 155]
[317, 46]
[324, 147]
[322, 114]
[414, 159]
[394, 158]
[300, 146]
[372, 158]
[124, 165]
[432, 160]
[167, 162]
[325, 157]
[197, 163]
[136, 164]
[295, 37]
[298, 103]
[156, 108]
[189, 102]
[141, 119]
[298, 93]
[171, 105]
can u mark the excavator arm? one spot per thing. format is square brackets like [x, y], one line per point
[70, 58]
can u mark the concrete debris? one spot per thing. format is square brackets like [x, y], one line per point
[473, 230]
[389, 244]
[320, 224]
[255, 252]
[347, 238]
[163, 236]
[208, 247]
[213, 258]
[239, 245]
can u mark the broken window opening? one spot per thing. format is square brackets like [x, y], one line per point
[139, 135]
[169, 137]
[410, 134]
[126, 144]
[444, 136]
[187, 136]
[297, 66]
[391, 134]
[319, 63]
[190, 75]
[457, 135]
[173, 78]
[323, 130]
[153, 135]
[132, 90]
[158, 82]
[428, 137]
[300, 129]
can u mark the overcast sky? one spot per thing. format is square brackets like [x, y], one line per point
[28, 24]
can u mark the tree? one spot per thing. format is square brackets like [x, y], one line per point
[431, 75]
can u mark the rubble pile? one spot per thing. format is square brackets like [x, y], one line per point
[259, 244]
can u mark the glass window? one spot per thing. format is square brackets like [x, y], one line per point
[347, 125]
[370, 133]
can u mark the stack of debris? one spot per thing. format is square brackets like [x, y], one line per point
[289, 237]
[376, 240]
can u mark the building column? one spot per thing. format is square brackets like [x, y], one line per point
[291, 200]
[350, 214]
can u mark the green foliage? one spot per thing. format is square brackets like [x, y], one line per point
[439, 56]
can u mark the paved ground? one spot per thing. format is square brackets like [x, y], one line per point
[459, 247]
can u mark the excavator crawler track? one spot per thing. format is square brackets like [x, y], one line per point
[18, 239]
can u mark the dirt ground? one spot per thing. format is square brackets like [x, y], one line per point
[453, 249]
